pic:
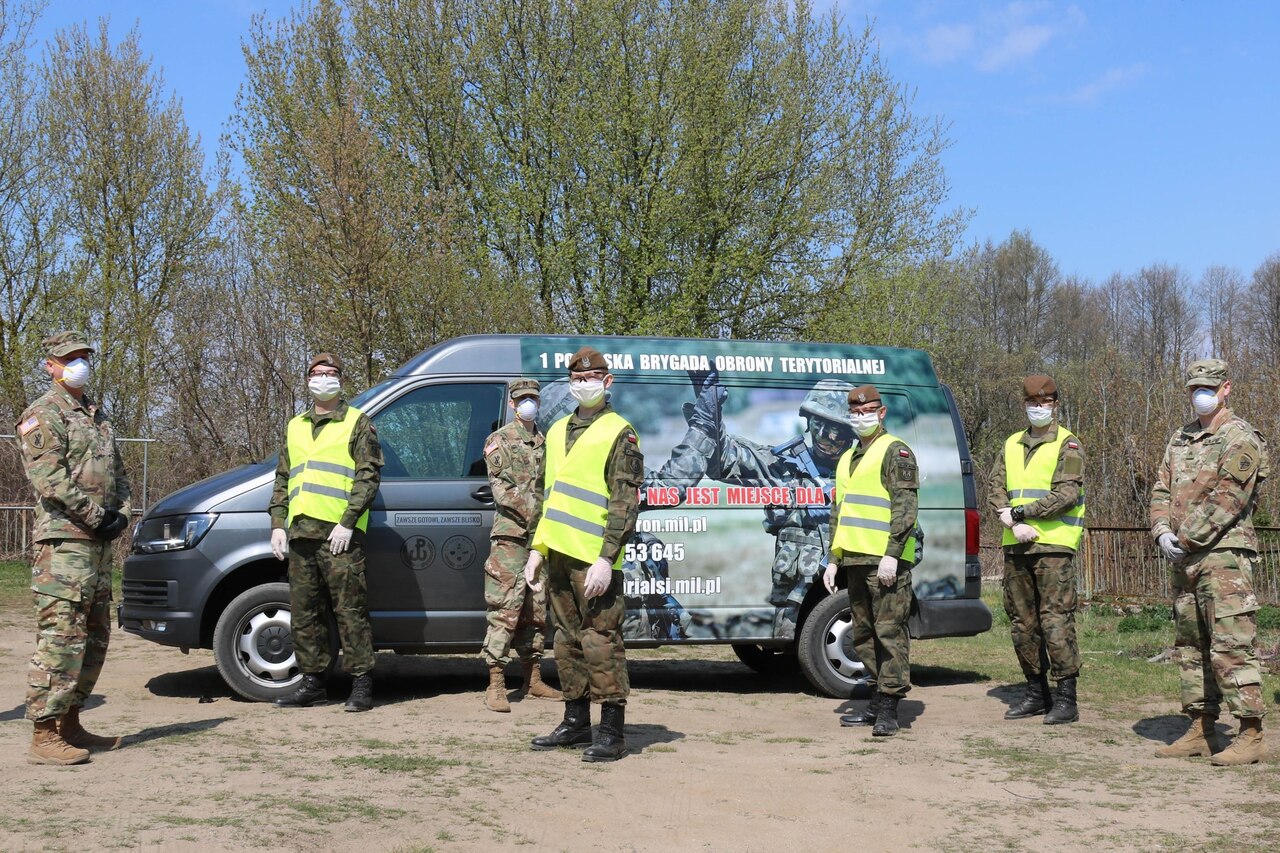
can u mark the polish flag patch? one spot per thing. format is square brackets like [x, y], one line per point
[1073, 445]
[904, 453]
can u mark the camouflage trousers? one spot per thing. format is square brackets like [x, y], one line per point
[880, 636]
[321, 583]
[798, 556]
[590, 657]
[517, 615]
[1040, 599]
[71, 586]
[1216, 626]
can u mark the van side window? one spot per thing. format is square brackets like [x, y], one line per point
[437, 432]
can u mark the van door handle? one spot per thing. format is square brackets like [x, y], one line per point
[484, 494]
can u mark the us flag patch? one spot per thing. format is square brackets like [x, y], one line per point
[28, 425]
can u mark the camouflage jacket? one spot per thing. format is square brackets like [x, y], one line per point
[1064, 488]
[1207, 485]
[900, 476]
[70, 457]
[516, 460]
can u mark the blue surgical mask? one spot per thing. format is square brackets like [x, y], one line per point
[1204, 401]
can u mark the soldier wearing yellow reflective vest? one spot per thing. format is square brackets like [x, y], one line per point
[326, 480]
[594, 469]
[872, 539]
[1037, 489]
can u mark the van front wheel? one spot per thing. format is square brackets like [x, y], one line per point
[825, 648]
[253, 646]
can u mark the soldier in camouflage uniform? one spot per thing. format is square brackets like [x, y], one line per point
[875, 544]
[70, 457]
[517, 614]
[1045, 526]
[1202, 518]
[319, 510]
[591, 507]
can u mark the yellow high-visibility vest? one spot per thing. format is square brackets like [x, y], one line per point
[1028, 482]
[864, 503]
[322, 470]
[577, 503]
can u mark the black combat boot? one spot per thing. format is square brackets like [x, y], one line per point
[1064, 704]
[887, 720]
[1037, 700]
[574, 731]
[608, 744]
[865, 717]
[361, 698]
[310, 692]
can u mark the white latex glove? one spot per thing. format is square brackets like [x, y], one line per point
[1006, 517]
[280, 543]
[1169, 546]
[531, 570]
[1025, 533]
[888, 571]
[598, 578]
[339, 539]
[829, 578]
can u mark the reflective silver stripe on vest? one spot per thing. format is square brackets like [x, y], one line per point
[845, 521]
[1072, 520]
[574, 522]
[297, 469]
[327, 491]
[868, 500]
[1033, 494]
[331, 468]
[293, 493]
[580, 493]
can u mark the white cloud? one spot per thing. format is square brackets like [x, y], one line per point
[947, 43]
[999, 37]
[1112, 79]
[1017, 44]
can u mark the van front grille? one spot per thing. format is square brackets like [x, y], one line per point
[146, 593]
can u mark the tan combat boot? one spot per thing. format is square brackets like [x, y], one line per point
[1246, 748]
[48, 747]
[534, 685]
[1200, 739]
[495, 698]
[75, 734]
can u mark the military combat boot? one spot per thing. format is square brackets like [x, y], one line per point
[534, 685]
[310, 692]
[48, 747]
[887, 720]
[1036, 701]
[1200, 739]
[1064, 704]
[495, 698]
[574, 731]
[865, 717]
[361, 698]
[609, 743]
[75, 734]
[1246, 748]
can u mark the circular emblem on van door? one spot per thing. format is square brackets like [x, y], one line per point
[458, 552]
[417, 552]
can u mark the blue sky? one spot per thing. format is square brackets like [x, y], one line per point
[1119, 134]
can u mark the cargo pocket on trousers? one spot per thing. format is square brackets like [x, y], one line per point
[1236, 604]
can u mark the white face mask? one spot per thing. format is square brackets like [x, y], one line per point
[588, 392]
[75, 373]
[324, 388]
[1039, 415]
[527, 409]
[1204, 401]
[865, 424]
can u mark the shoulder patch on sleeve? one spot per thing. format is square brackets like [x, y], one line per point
[1074, 445]
[490, 447]
[631, 437]
[1241, 464]
[904, 453]
[28, 425]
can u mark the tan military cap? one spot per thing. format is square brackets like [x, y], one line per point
[1207, 373]
[64, 343]
[324, 358]
[863, 394]
[522, 387]
[1038, 385]
[587, 358]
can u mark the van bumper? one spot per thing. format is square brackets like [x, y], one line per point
[161, 596]
[954, 617]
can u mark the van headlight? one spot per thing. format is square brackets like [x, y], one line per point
[172, 532]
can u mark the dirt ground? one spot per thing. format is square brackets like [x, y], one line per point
[722, 759]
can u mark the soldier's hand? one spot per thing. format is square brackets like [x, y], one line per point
[598, 578]
[887, 572]
[339, 539]
[112, 525]
[279, 543]
[1025, 533]
[705, 415]
[1006, 516]
[531, 570]
[829, 578]
[1170, 548]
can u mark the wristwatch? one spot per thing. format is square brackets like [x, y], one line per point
[1018, 514]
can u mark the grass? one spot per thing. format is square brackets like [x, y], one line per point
[422, 765]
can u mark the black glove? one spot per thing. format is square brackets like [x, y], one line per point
[705, 416]
[112, 525]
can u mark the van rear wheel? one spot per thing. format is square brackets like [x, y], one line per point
[825, 649]
[253, 645]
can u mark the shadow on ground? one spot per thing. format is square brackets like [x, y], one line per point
[1169, 727]
[171, 730]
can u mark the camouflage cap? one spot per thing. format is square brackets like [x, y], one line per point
[64, 343]
[522, 387]
[587, 358]
[1038, 385]
[1207, 373]
[863, 394]
[324, 358]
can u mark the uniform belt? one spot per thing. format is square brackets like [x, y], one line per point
[801, 536]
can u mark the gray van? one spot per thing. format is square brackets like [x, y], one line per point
[730, 541]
